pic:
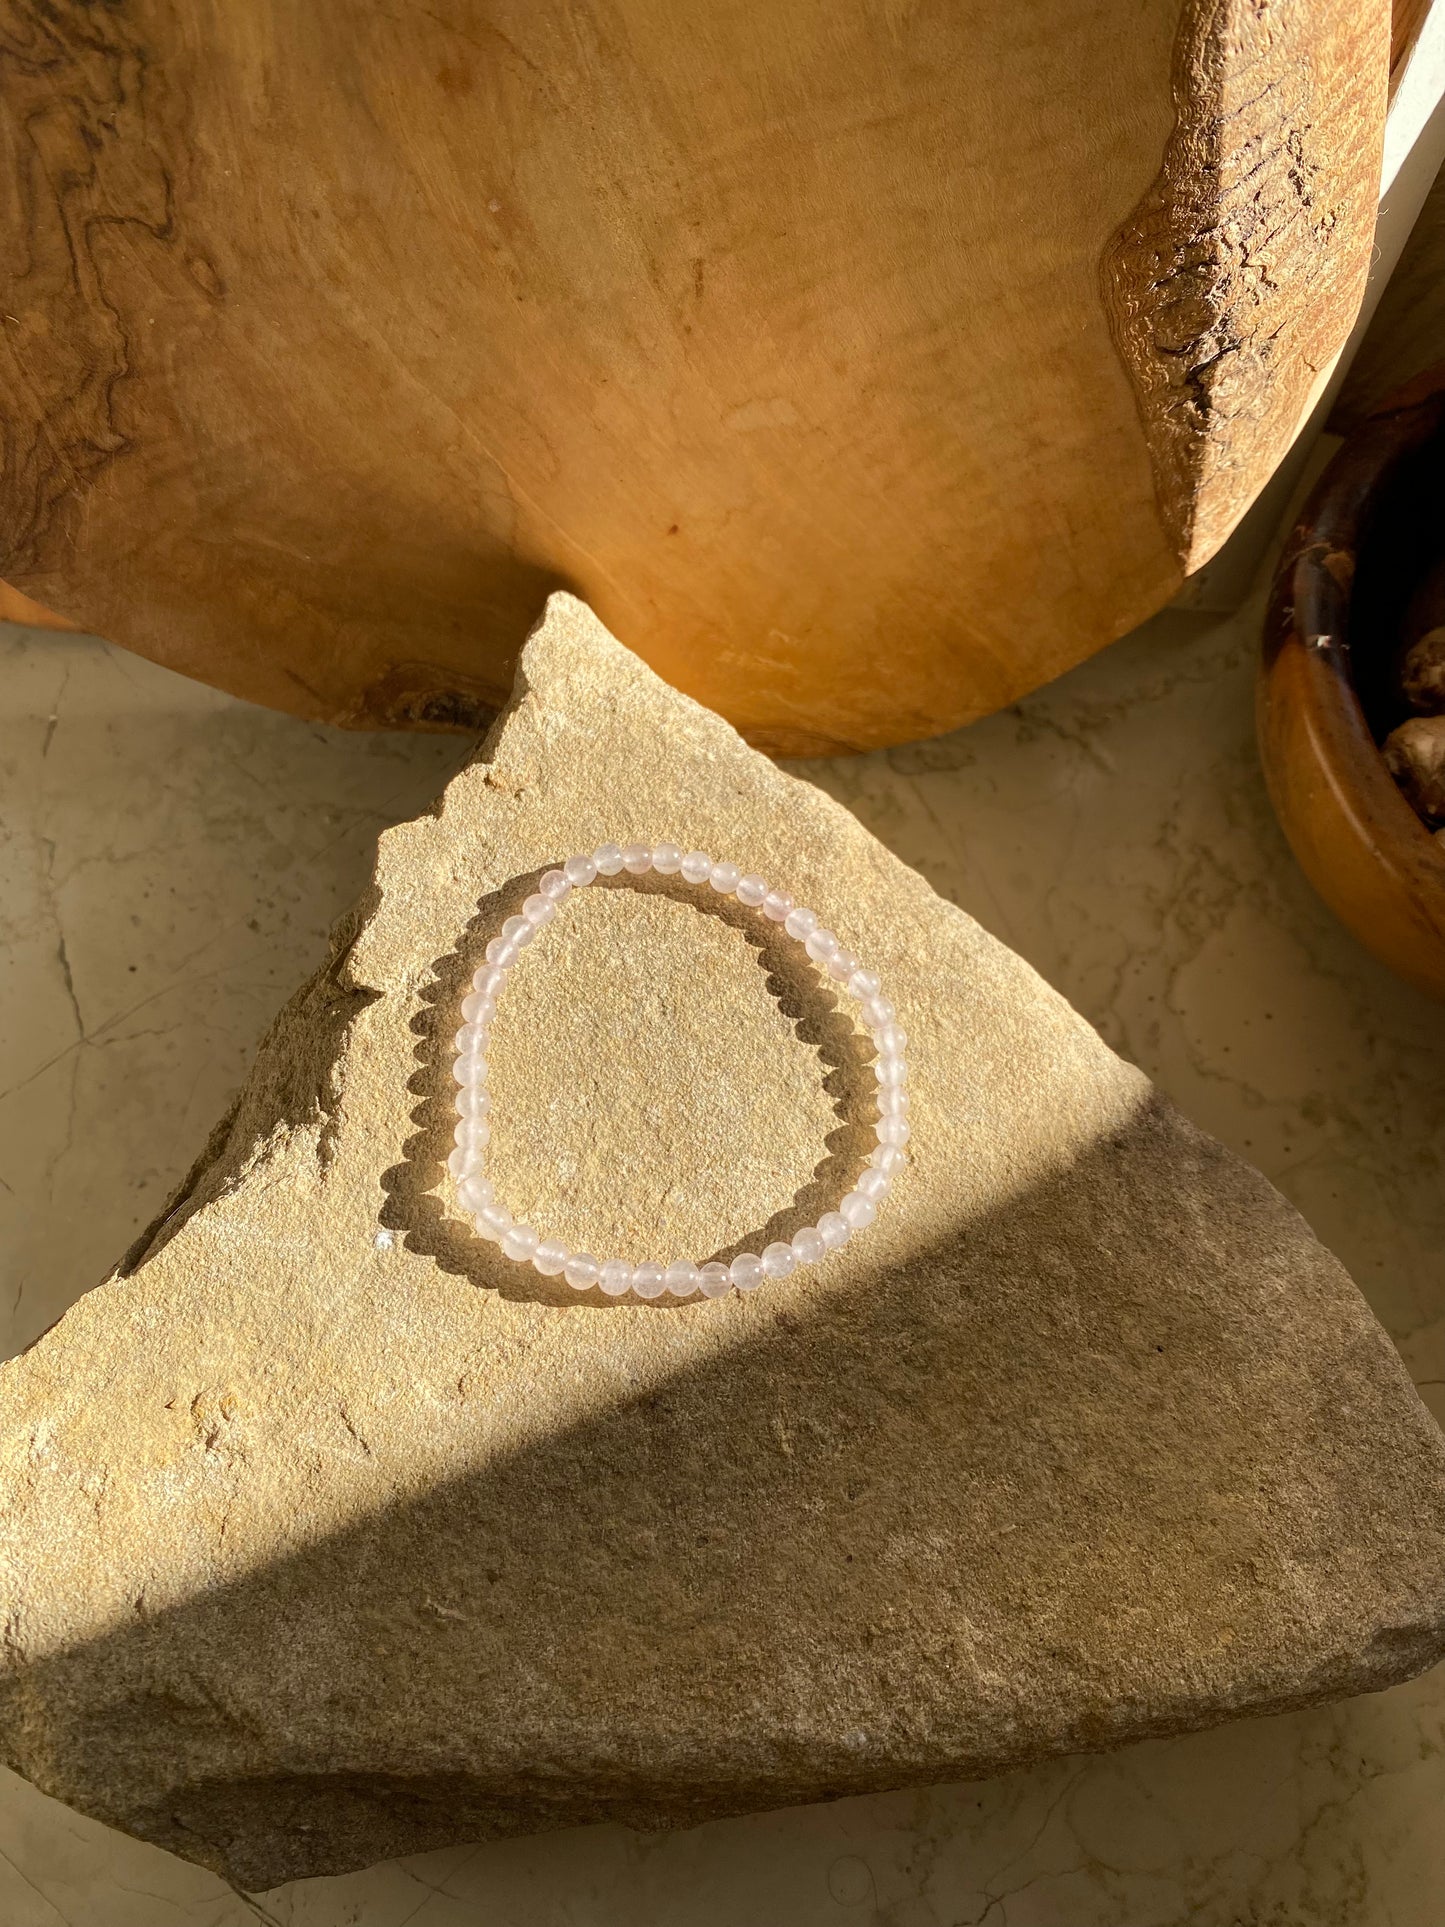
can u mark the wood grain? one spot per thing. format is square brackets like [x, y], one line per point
[863, 364]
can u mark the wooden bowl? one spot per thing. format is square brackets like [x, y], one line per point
[1368, 553]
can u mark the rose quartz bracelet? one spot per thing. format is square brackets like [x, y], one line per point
[616, 1276]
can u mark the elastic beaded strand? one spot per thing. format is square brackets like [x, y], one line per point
[680, 1277]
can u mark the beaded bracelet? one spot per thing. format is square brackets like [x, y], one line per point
[521, 1242]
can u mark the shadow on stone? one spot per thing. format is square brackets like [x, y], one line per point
[413, 1206]
[1047, 1485]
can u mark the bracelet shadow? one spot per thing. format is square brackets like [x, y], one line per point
[430, 1225]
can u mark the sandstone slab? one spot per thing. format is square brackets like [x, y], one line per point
[330, 1536]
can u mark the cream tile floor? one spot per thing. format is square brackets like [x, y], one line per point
[169, 863]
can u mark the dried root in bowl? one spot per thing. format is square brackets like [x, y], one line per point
[1415, 756]
[1422, 675]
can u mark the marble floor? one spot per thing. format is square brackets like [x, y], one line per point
[170, 861]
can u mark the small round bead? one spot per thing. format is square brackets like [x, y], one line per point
[581, 1270]
[779, 1260]
[892, 1100]
[550, 1257]
[892, 1130]
[724, 878]
[863, 985]
[503, 952]
[891, 1070]
[714, 1280]
[889, 1158]
[801, 922]
[841, 966]
[555, 887]
[834, 1229]
[808, 1245]
[458, 1163]
[471, 1070]
[473, 1100]
[666, 859]
[539, 910]
[820, 945]
[877, 1012]
[608, 858]
[696, 866]
[490, 981]
[892, 1040]
[751, 890]
[647, 1280]
[615, 1277]
[475, 1191]
[872, 1183]
[778, 905]
[746, 1271]
[494, 1221]
[579, 871]
[636, 859]
[472, 1135]
[517, 930]
[471, 1040]
[477, 1009]
[680, 1278]
[856, 1211]
[520, 1241]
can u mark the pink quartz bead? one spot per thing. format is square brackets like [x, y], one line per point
[615, 1277]
[493, 1220]
[519, 1241]
[647, 1280]
[778, 1260]
[474, 1192]
[834, 1229]
[808, 1245]
[746, 1271]
[857, 1211]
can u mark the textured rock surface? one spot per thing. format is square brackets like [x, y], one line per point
[320, 1548]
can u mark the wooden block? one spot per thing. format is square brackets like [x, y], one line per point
[864, 366]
